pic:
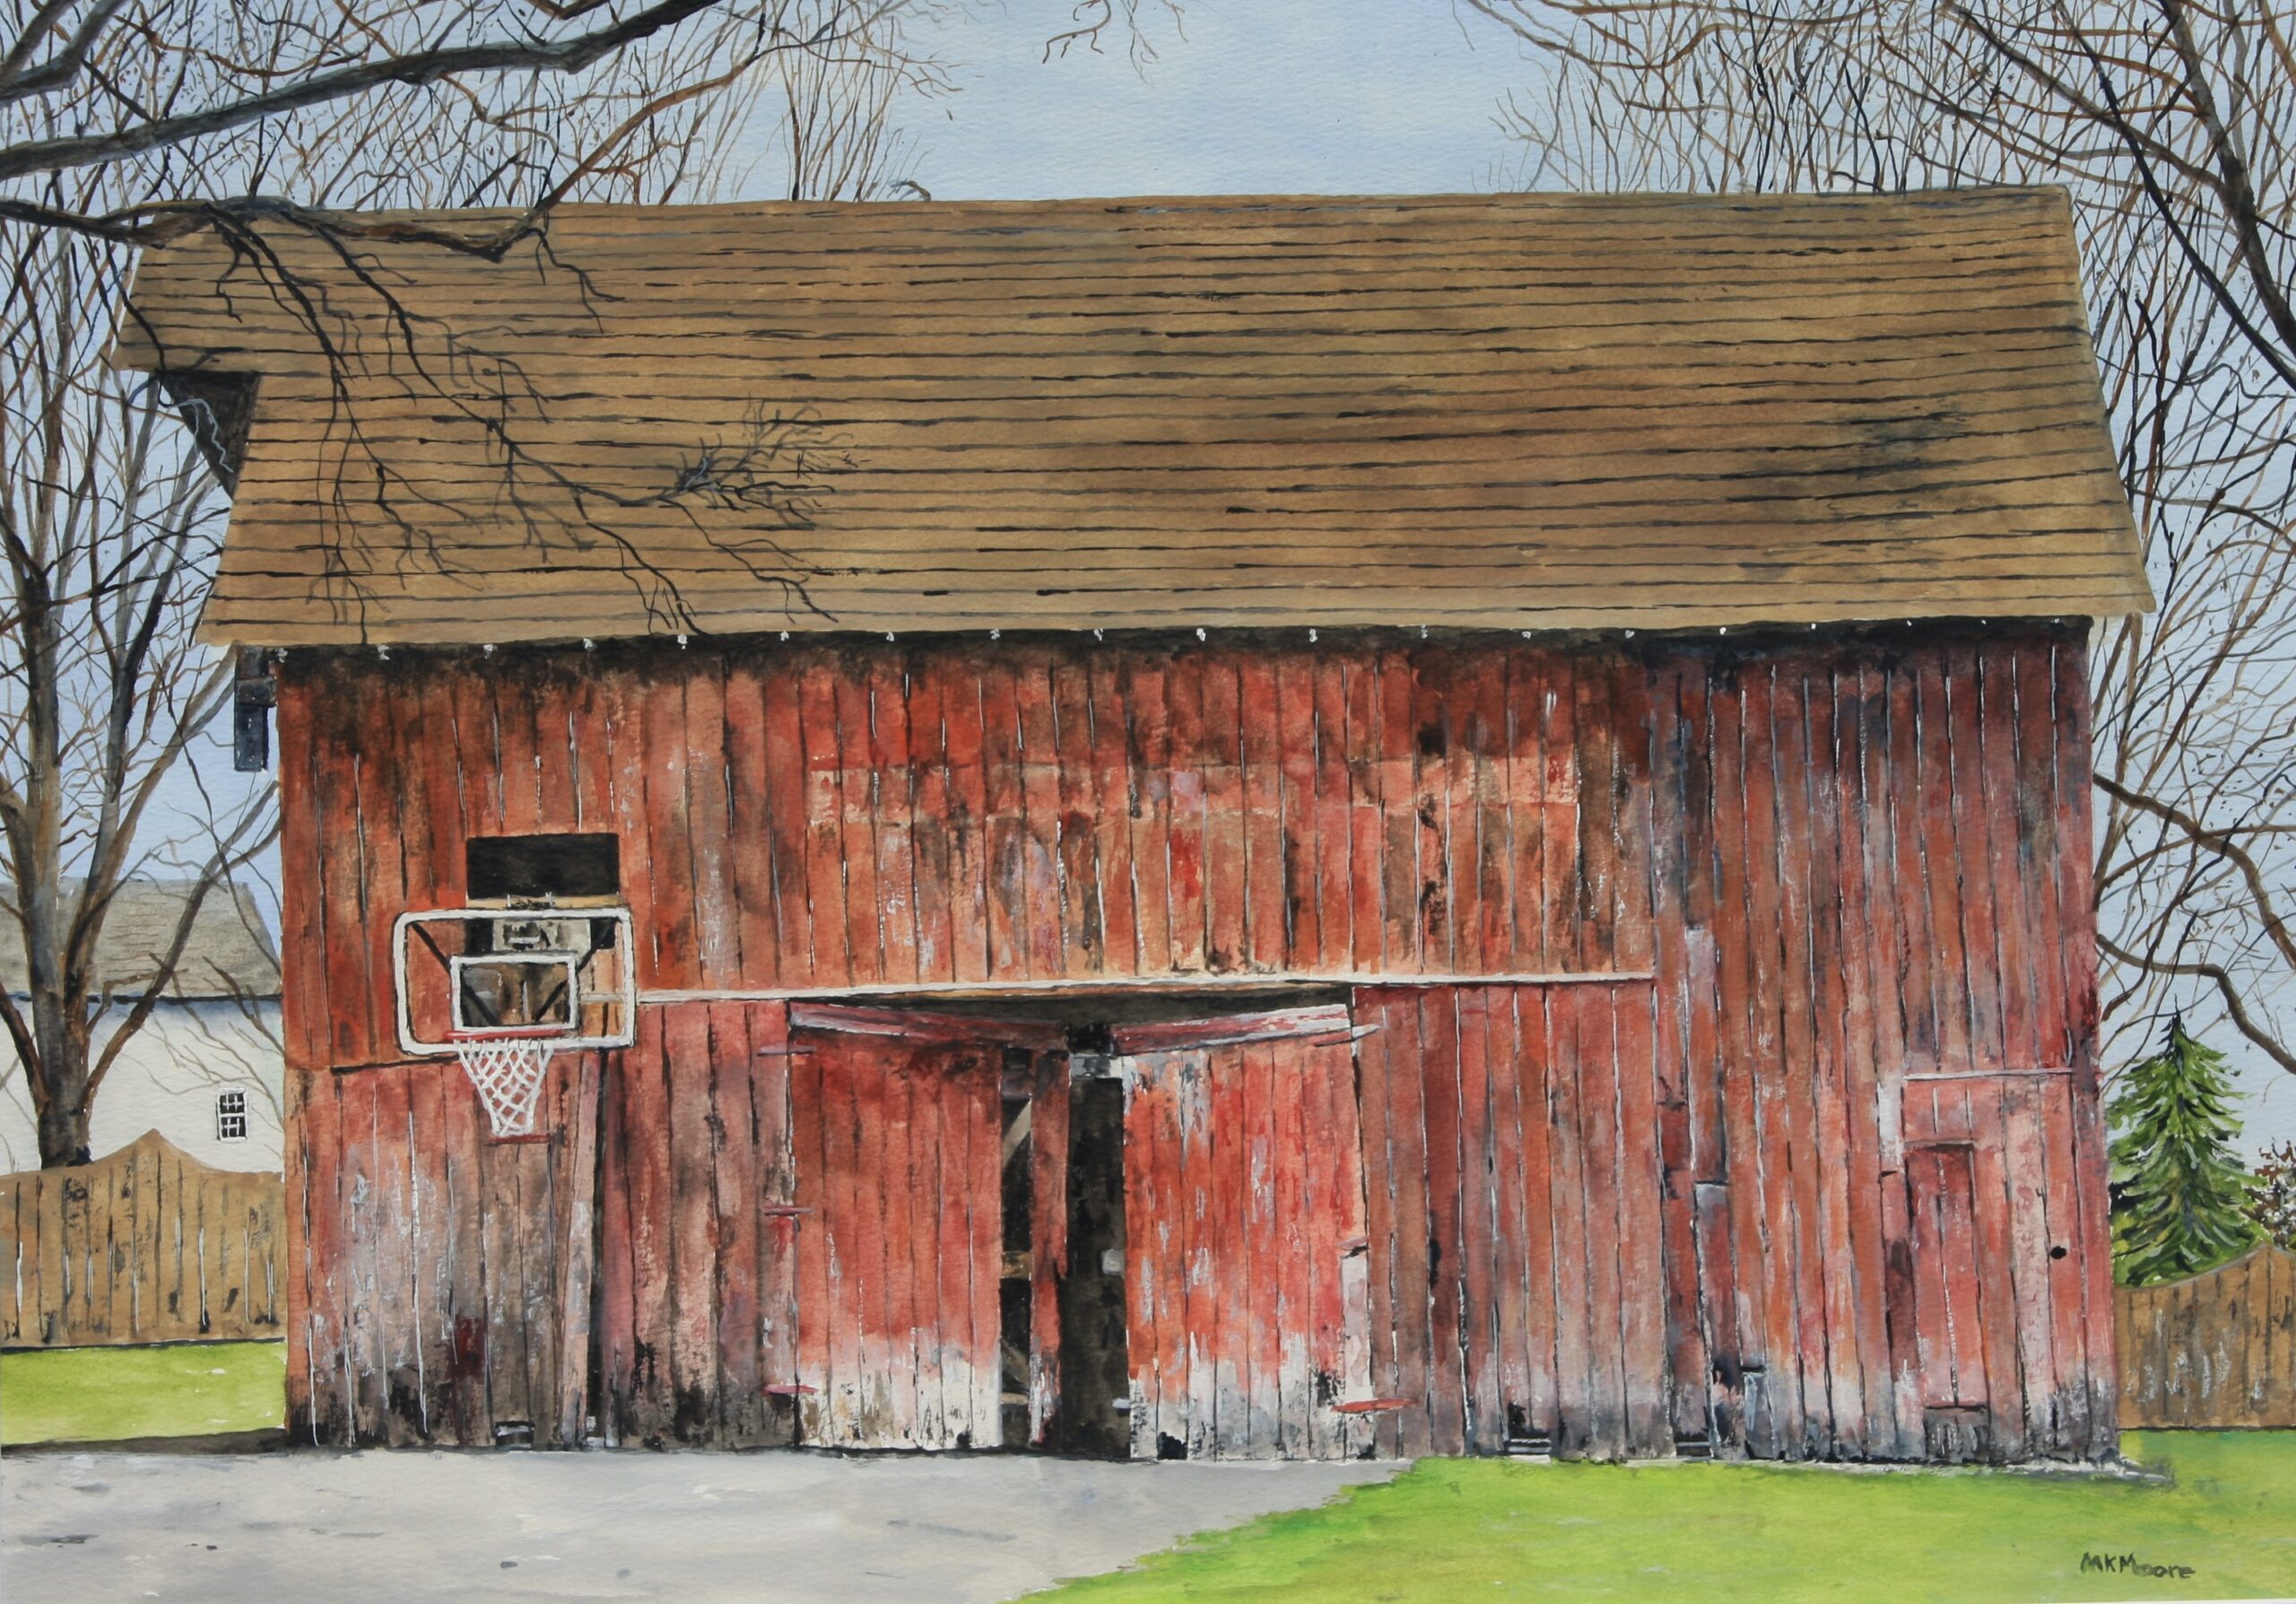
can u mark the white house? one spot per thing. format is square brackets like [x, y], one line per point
[204, 1069]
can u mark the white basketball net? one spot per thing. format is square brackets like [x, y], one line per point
[508, 1072]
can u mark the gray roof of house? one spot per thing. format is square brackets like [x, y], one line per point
[229, 953]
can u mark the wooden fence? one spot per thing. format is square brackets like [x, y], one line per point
[145, 1245]
[2214, 1351]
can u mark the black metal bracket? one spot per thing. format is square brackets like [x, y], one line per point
[254, 694]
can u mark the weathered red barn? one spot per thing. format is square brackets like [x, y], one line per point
[1213, 827]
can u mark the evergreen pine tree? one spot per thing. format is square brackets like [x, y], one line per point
[2180, 1194]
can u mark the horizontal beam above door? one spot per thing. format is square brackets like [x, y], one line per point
[917, 1024]
[1128, 985]
[1222, 1030]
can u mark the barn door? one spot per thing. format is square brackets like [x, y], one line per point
[1948, 1324]
[897, 1121]
[1244, 1257]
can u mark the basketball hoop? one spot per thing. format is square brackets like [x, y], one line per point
[508, 1067]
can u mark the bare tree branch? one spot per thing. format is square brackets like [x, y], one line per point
[131, 123]
[2228, 991]
[408, 69]
[2171, 123]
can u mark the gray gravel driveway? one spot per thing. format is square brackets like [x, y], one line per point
[769, 1527]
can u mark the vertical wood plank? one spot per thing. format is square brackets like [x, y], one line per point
[731, 1123]
[1148, 759]
[785, 803]
[1049, 931]
[574, 1400]
[1575, 1221]
[1299, 882]
[1263, 1268]
[939, 891]
[1177, 1126]
[1320, 1232]
[706, 826]
[1116, 805]
[2031, 803]
[1532, 1077]
[973, 904]
[1480, 1235]
[303, 969]
[1642, 1270]
[673, 915]
[1084, 911]
[831, 937]
[647, 1181]
[1377, 1064]
[1360, 750]
[1957, 1025]
[976, 1098]
[1815, 1001]
[350, 1028]
[1994, 713]
[1439, 1073]
[1922, 989]
[893, 778]
[1402, 885]
[772, 1109]
[1760, 1332]
[1228, 1333]
[860, 816]
[1433, 891]
[1049, 1266]
[1226, 889]
[918, 1347]
[1597, 891]
[1154, 1223]
[1299, 1242]
[2002, 1320]
[810, 1240]
[1005, 827]
[752, 876]
[1268, 917]
[1965, 782]
[1847, 925]
[1559, 867]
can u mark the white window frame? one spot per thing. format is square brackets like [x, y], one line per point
[231, 1116]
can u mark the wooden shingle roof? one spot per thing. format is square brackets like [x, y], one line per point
[1521, 412]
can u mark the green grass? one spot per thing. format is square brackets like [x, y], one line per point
[103, 1394]
[1463, 1529]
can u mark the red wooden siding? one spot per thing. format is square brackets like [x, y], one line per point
[697, 1303]
[1828, 902]
[1872, 905]
[440, 1280]
[2009, 1275]
[1517, 1283]
[1246, 1202]
[1948, 1318]
[900, 1247]
[812, 817]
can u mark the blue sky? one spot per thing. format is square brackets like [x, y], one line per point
[1260, 97]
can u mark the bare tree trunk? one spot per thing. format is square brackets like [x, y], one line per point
[64, 1129]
